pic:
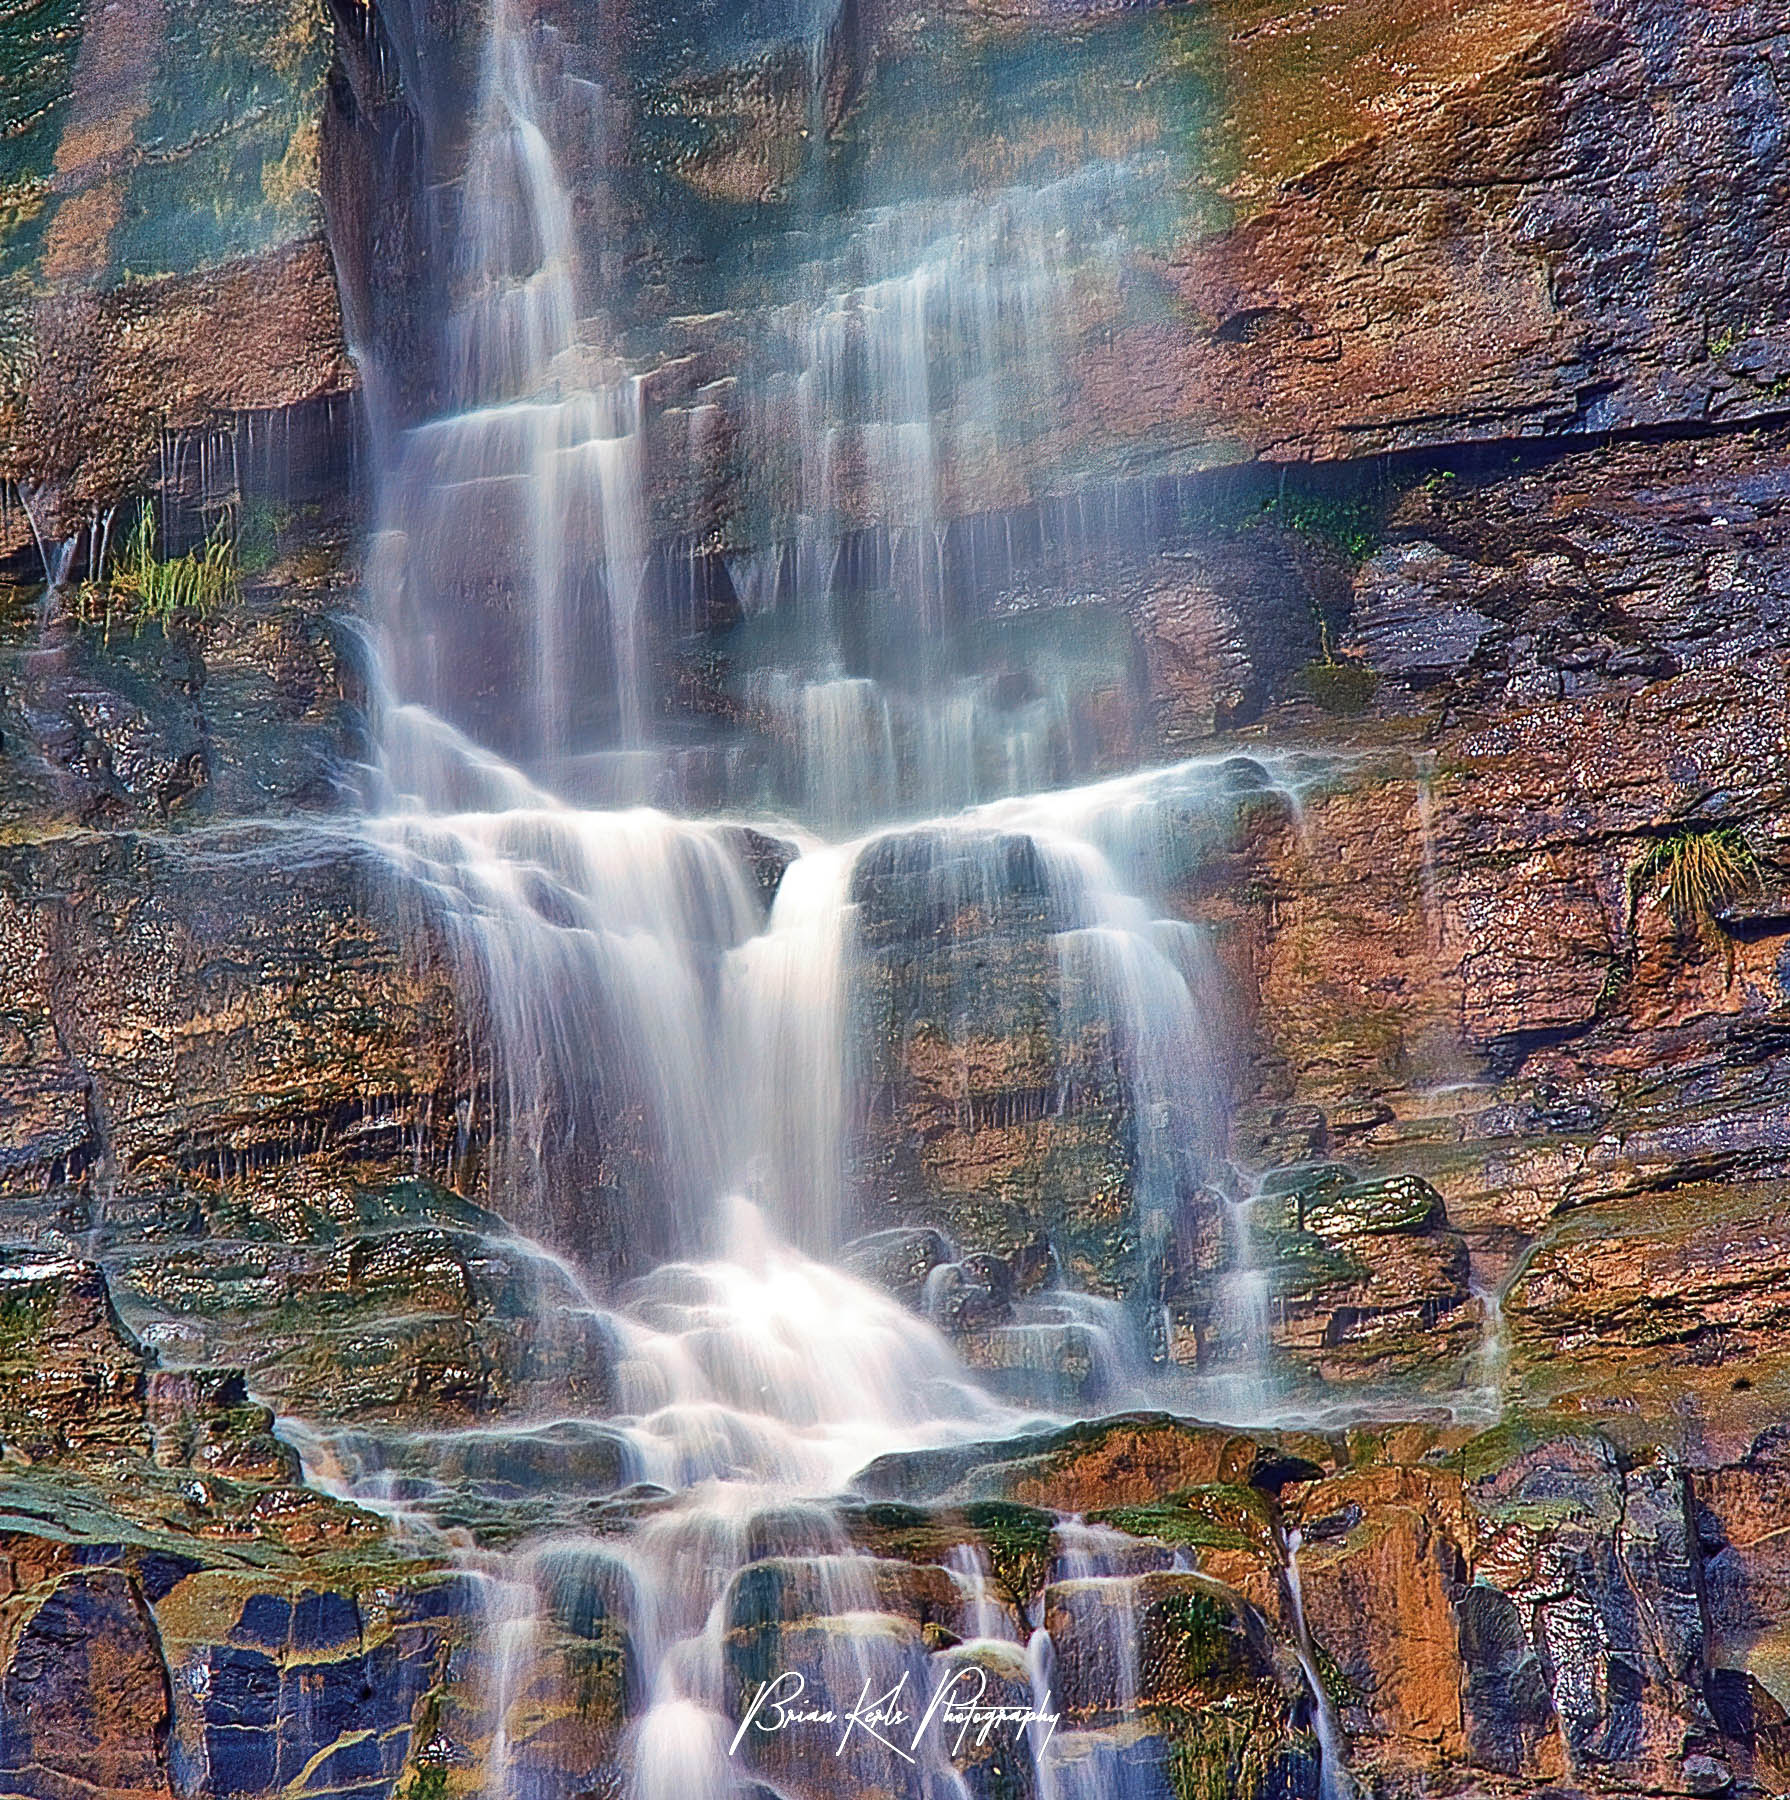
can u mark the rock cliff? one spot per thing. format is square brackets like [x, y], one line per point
[1441, 416]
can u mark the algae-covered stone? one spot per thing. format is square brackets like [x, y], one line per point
[1225, 1516]
[1398, 1204]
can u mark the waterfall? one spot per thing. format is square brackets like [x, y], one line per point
[591, 941]
[789, 1038]
[1336, 1783]
[668, 1076]
[530, 485]
[984, 1616]
[928, 348]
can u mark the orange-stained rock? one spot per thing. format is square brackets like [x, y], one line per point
[1424, 255]
[1384, 1593]
[1129, 1465]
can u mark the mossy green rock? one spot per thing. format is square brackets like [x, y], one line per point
[1400, 1204]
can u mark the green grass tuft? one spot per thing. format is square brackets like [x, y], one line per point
[157, 588]
[260, 532]
[1701, 870]
[429, 1782]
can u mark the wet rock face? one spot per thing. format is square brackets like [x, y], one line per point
[1457, 236]
[164, 257]
[1227, 622]
[318, 1027]
[255, 710]
[957, 1018]
[1591, 573]
[1546, 1620]
[1495, 260]
[1359, 1276]
[368, 1303]
[309, 1679]
[1616, 1611]
[74, 1376]
[1523, 1611]
[1477, 252]
[141, 1673]
[85, 1700]
[1498, 898]
[142, 1653]
[1500, 1068]
[259, 333]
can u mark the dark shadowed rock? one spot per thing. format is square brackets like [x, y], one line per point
[85, 1701]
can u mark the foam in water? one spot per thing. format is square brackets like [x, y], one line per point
[747, 1384]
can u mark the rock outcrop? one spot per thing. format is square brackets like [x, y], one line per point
[161, 250]
[1474, 235]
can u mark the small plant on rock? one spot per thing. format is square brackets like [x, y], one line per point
[1701, 870]
[1237, 1745]
[1342, 688]
[157, 587]
[1348, 526]
[260, 531]
[429, 1782]
[1339, 685]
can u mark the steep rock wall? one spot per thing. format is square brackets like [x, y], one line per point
[161, 245]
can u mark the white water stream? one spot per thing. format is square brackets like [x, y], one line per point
[659, 1051]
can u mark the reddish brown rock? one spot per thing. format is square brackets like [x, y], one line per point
[1384, 1593]
[1470, 237]
[71, 1376]
[119, 989]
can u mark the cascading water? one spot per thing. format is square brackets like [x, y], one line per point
[670, 1071]
[1337, 1783]
[532, 483]
[931, 346]
[984, 1616]
[1096, 1588]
